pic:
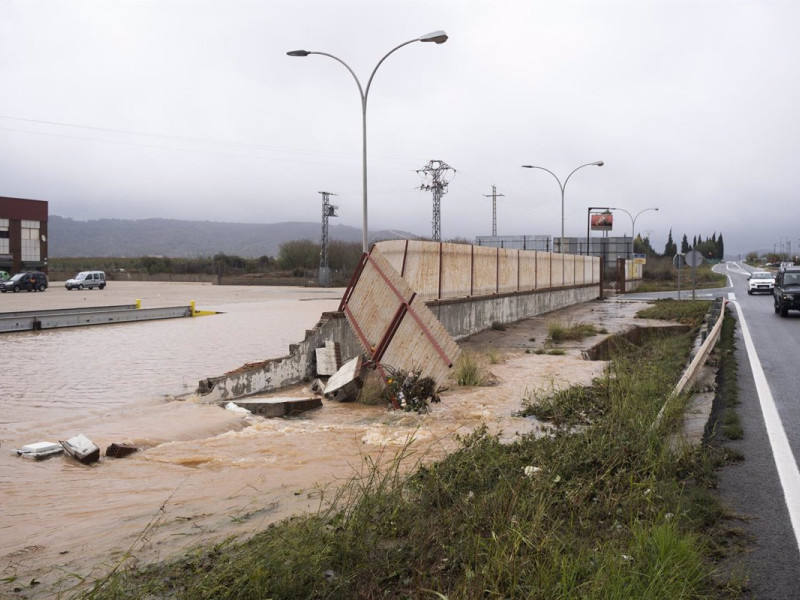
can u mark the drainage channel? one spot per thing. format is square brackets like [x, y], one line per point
[637, 336]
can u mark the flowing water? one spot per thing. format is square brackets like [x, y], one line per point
[204, 472]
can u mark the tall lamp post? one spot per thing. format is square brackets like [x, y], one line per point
[633, 222]
[437, 37]
[598, 163]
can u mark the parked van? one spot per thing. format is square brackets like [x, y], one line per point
[87, 279]
[32, 281]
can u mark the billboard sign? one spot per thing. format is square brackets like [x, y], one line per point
[602, 221]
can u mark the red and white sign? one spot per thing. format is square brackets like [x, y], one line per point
[602, 221]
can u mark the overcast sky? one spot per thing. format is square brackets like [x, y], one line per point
[192, 109]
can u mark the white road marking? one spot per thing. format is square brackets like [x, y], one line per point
[781, 451]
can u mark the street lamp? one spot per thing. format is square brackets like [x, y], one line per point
[633, 222]
[437, 37]
[598, 163]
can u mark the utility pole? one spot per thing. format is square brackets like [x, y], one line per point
[435, 172]
[328, 210]
[494, 196]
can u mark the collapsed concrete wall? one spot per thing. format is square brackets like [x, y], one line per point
[297, 366]
[461, 286]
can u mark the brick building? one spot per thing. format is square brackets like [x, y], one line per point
[23, 234]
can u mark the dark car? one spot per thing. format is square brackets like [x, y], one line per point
[787, 290]
[31, 281]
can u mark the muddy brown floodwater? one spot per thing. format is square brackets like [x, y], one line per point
[206, 473]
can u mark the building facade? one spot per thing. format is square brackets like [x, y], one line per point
[23, 234]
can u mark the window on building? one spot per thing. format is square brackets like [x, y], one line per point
[31, 246]
[4, 248]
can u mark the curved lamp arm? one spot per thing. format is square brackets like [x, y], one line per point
[437, 37]
[597, 163]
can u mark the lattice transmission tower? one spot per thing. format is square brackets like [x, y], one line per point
[328, 210]
[435, 175]
[494, 196]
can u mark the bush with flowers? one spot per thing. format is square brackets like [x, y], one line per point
[408, 390]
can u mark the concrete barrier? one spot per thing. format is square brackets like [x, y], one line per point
[463, 317]
[94, 315]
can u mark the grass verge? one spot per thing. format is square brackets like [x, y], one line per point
[687, 312]
[602, 507]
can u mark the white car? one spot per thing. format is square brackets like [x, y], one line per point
[87, 279]
[760, 281]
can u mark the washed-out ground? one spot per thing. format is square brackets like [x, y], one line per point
[328, 445]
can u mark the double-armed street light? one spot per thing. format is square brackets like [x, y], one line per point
[598, 163]
[633, 223]
[437, 37]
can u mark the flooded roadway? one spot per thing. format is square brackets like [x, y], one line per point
[205, 473]
[205, 466]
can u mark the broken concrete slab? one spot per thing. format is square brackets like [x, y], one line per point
[280, 407]
[329, 358]
[40, 450]
[81, 449]
[345, 383]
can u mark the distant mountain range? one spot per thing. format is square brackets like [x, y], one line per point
[185, 239]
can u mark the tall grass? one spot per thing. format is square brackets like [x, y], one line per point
[469, 370]
[605, 510]
[560, 332]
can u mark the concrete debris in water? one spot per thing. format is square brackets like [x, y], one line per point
[120, 450]
[346, 382]
[317, 386]
[280, 407]
[40, 450]
[231, 406]
[81, 449]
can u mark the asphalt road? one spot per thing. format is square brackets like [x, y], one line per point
[763, 490]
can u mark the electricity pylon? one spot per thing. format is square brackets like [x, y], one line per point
[328, 210]
[435, 172]
[494, 196]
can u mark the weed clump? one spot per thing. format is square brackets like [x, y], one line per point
[469, 371]
[560, 332]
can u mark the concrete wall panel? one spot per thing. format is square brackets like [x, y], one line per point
[508, 277]
[543, 270]
[527, 271]
[456, 270]
[485, 271]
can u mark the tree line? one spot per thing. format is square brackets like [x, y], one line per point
[295, 258]
[711, 248]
